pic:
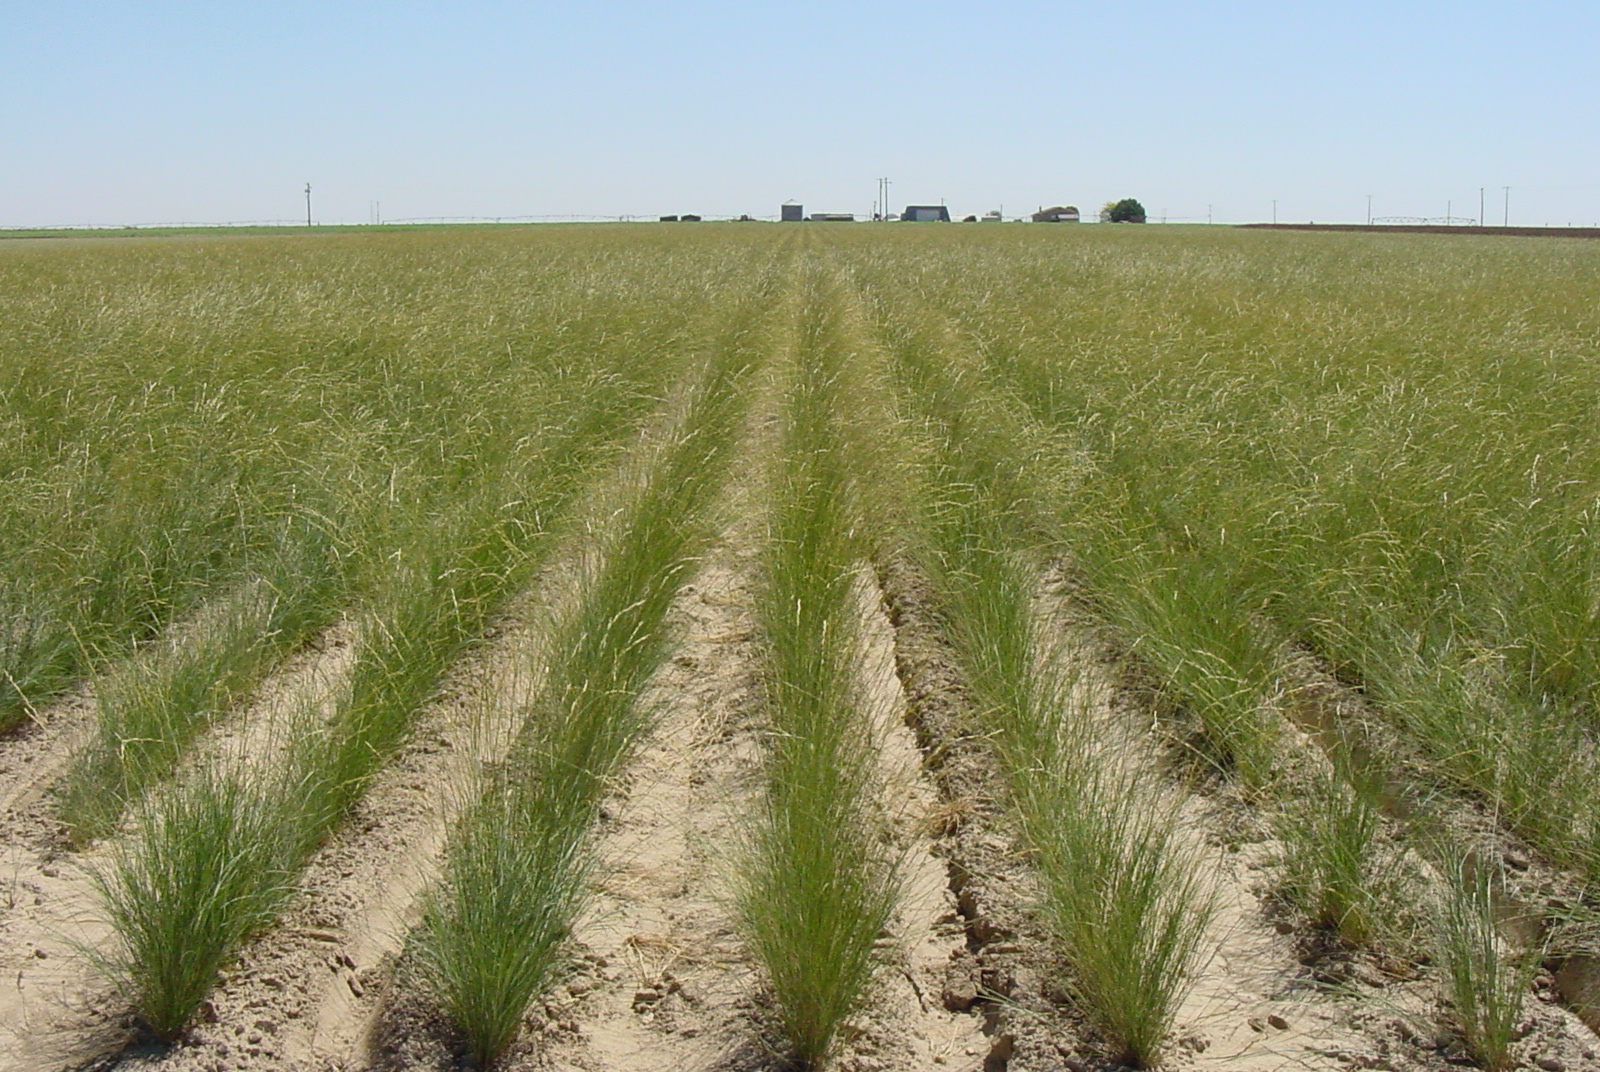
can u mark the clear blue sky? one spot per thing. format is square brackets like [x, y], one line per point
[162, 111]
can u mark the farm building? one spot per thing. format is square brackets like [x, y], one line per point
[1057, 214]
[792, 212]
[926, 214]
[833, 217]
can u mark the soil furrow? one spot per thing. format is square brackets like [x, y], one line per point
[36, 756]
[1004, 970]
[907, 1024]
[304, 689]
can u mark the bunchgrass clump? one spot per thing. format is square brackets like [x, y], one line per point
[513, 882]
[212, 866]
[1126, 897]
[1338, 869]
[1485, 981]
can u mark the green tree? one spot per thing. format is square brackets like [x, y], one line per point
[1127, 211]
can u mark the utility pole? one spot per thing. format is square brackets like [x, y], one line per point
[1208, 215]
[1480, 206]
[308, 204]
[1449, 207]
[1369, 210]
[1506, 220]
[1274, 211]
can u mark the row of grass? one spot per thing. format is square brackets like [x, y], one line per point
[517, 867]
[818, 884]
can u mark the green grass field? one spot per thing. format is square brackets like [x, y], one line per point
[1378, 455]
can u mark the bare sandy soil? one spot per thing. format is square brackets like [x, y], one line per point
[53, 1006]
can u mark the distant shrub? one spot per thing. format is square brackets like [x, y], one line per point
[1127, 211]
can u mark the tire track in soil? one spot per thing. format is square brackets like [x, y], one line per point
[59, 1008]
